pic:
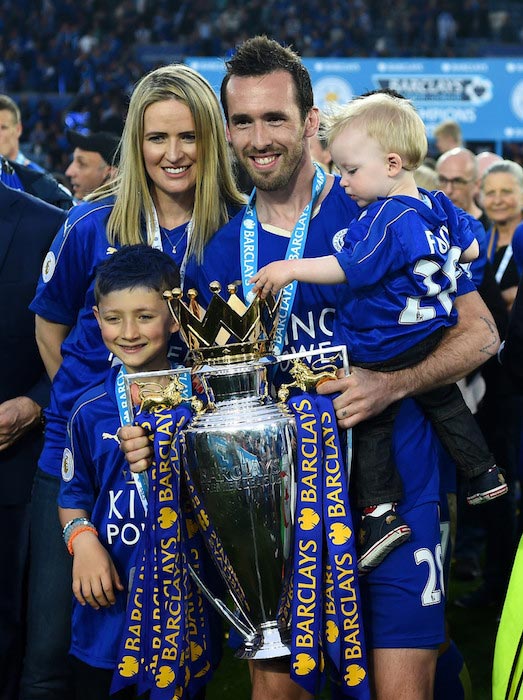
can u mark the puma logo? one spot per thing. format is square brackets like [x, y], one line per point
[110, 436]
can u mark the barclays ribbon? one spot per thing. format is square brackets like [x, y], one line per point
[306, 655]
[165, 645]
[326, 608]
[343, 630]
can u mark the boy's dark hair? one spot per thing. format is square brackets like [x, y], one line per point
[262, 56]
[136, 266]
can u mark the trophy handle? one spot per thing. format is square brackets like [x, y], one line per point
[248, 633]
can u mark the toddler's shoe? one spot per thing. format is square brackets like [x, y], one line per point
[378, 536]
[486, 486]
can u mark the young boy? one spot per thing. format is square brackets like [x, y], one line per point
[99, 506]
[399, 263]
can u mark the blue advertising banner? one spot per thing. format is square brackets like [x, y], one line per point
[485, 96]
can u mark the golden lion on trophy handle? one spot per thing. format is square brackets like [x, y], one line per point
[306, 378]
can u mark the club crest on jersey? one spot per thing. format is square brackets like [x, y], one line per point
[338, 238]
[67, 465]
[49, 266]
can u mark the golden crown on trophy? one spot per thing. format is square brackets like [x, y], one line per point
[228, 330]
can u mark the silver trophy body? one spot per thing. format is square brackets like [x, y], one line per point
[240, 455]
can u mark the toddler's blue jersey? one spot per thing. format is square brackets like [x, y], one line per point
[96, 477]
[65, 295]
[400, 258]
[311, 322]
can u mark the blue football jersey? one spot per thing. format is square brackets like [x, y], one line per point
[400, 258]
[65, 295]
[97, 478]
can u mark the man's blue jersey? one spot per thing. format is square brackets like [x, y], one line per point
[400, 257]
[311, 322]
[65, 295]
[96, 478]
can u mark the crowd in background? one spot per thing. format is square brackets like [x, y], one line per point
[74, 65]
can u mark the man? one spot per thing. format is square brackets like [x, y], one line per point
[28, 227]
[268, 104]
[38, 183]
[10, 132]
[457, 171]
[448, 136]
[93, 161]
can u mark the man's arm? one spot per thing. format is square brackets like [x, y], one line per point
[17, 417]
[466, 346]
[49, 337]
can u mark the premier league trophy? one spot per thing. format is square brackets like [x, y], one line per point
[264, 484]
[240, 459]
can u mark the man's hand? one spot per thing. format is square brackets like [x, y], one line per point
[94, 574]
[135, 444]
[17, 417]
[363, 394]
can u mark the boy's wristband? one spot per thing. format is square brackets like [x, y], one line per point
[78, 531]
[74, 525]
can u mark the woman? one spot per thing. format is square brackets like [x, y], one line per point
[174, 188]
[502, 199]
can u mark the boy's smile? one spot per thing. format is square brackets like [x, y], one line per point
[136, 326]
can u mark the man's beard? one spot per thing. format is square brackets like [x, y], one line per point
[272, 182]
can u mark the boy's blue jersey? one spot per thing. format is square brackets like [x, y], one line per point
[400, 257]
[96, 477]
[65, 295]
[311, 323]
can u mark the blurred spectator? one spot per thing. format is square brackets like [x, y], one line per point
[320, 151]
[448, 136]
[426, 177]
[458, 177]
[484, 160]
[35, 182]
[93, 161]
[10, 132]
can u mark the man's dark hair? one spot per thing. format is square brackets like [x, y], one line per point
[136, 266]
[262, 56]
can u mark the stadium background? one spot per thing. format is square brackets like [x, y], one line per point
[74, 64]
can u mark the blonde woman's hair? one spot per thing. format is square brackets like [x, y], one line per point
[215, 188]
[392, 121]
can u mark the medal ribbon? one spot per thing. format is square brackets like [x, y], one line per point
[154, 239]
[298, 239]
[326, 606]
[165, 645]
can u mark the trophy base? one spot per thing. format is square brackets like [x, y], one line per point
[268, 643]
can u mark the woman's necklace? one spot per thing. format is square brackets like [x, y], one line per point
[175, 244]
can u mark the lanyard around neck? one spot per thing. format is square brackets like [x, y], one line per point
[295, 249]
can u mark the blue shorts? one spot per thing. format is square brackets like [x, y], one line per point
[403, 598]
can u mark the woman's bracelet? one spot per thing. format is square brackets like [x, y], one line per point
[78, 531]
